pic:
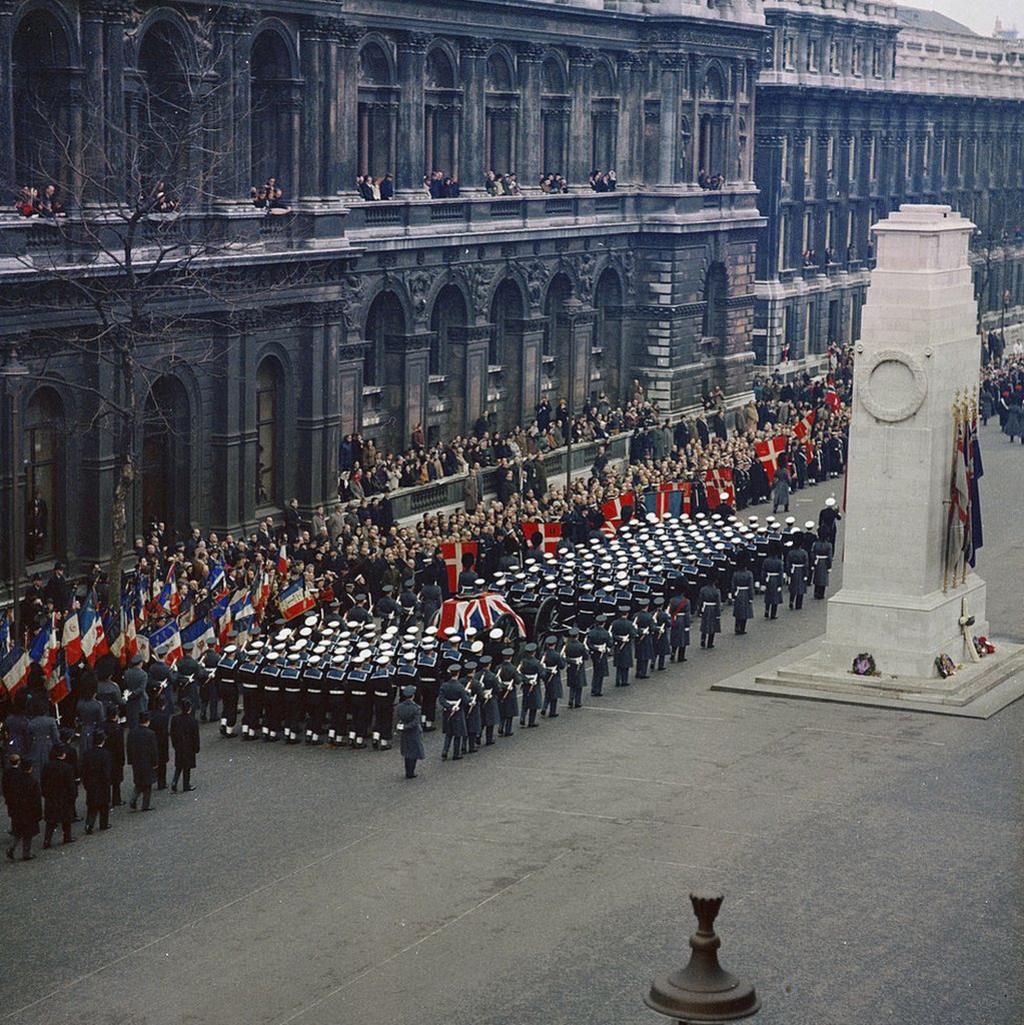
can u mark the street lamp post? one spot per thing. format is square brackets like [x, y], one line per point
[14, 375]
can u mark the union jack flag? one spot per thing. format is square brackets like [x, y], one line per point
[480, 612]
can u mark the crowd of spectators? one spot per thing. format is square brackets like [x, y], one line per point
[438, 185]
[270, 197]
[709, 181]
[502, 184]
[1002, 392]
[553, 183]
[33, 203]
[603, 181]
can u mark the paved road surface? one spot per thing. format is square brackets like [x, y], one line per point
[871, 862]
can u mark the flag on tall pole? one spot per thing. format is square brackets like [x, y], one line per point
[975, 471]
[14, 667]
[957, 520]
[768, 453]
[294, 600]
[165, 643]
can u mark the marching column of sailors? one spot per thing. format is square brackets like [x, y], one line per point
[628, 603]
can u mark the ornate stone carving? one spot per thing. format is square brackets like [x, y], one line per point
[478, 277]
[628, 259]
[352, 296]
[895, 385]
[536, 276]
[583, 266]
[475, 48]
[419, 283]
[530, 53]
[415, 43]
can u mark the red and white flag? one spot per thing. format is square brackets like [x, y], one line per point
[832, 399]
[452, 553]
[282, 560]
[71, 639]
[768, 453]
[802, 428]
[550, 534]
[614, 511]
[294, 600]
[718, 482]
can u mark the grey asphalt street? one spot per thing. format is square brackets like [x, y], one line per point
[871, 862]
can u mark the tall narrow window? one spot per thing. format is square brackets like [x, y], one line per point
[785, 169]
[833, 57]
[783, 241]
[268, 379]
[44, 449]
[872, 159]
[808, 157]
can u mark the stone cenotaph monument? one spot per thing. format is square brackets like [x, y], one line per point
[917, 357]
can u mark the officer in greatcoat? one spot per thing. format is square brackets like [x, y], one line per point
[58, 786]
[772, 571]
[408, 723]
[508, 696]
[143, 756]
[821, 563]
[742, 587]
[599, 644]
[96, 769]
[796, 569]
[184, 733]
[490, 708]
[575, 667]
[644, 643]
[709, 602]
[623, 635]
[662, 632]
[679, 610]
[452, 699]
[531, 672]
[554, 666]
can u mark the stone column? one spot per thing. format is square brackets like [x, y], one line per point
[311, 420]
[314, 31]
[94, 133]
[581, 63]
[752, 69]
[530, 157]
[732, 173]
[631, 119]
[669, 124]
[331, 127]
[468, 355]
[531, 347]
[412, 49]
[113, 52]
[233, 434]
[7, 174]
[474, 117]
[578, 322]
[228, 172]
[345, 170]
[406, 369]
[696, 73]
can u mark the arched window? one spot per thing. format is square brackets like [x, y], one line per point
[44, 474]
[556, 331]
[554, 117]
[268, 432]
[378, 112]
[385, 318]
[166, 455]
[507, 307]
[603, 118]
[502, 105]
[449, 311]
[167, 112]
[441, 125]
[42, 125]
[608, 333]
[271, 110]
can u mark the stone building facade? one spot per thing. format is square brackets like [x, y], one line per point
[345, 315]
[862, 106]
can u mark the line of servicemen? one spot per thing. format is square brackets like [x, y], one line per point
[627, 604]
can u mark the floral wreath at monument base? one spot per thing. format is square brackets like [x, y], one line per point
[864, 665]
[983, 646]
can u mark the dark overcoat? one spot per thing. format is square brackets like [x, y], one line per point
[410, 730]
[184, 734]
[143, 755]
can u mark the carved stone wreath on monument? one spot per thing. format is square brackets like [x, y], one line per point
[895, 385]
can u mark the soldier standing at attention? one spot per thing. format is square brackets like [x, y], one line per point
[599, 642]
[796, 567]
[453, 699]
[827, 519]
[679, 609]
[772, 570]
[742, 596]
[644, 641]
[554, 663]
[662, 632]
[821, 563]
[531, 671]
[410, 731]
[508, 700]
[575, 667]
[710, 601]
[623, 633]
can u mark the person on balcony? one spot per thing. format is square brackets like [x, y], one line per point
[387, 187]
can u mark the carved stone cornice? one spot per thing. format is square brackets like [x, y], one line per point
[530, 53]
[581, 57]
[414, 43]
[474, 47]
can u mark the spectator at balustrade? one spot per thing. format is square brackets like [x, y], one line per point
[553, 183]
[386, 187]
[605, 182]
[159, 200]
[709, 181]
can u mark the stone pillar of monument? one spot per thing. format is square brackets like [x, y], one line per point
[918, 350]
[918, 353]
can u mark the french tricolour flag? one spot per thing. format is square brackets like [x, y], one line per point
[14, 667]
[199, 635]
[294, 600]
[71, 639]
[93, 639]
[45, 648]
[165, 643]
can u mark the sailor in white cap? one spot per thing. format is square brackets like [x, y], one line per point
[827, 519]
